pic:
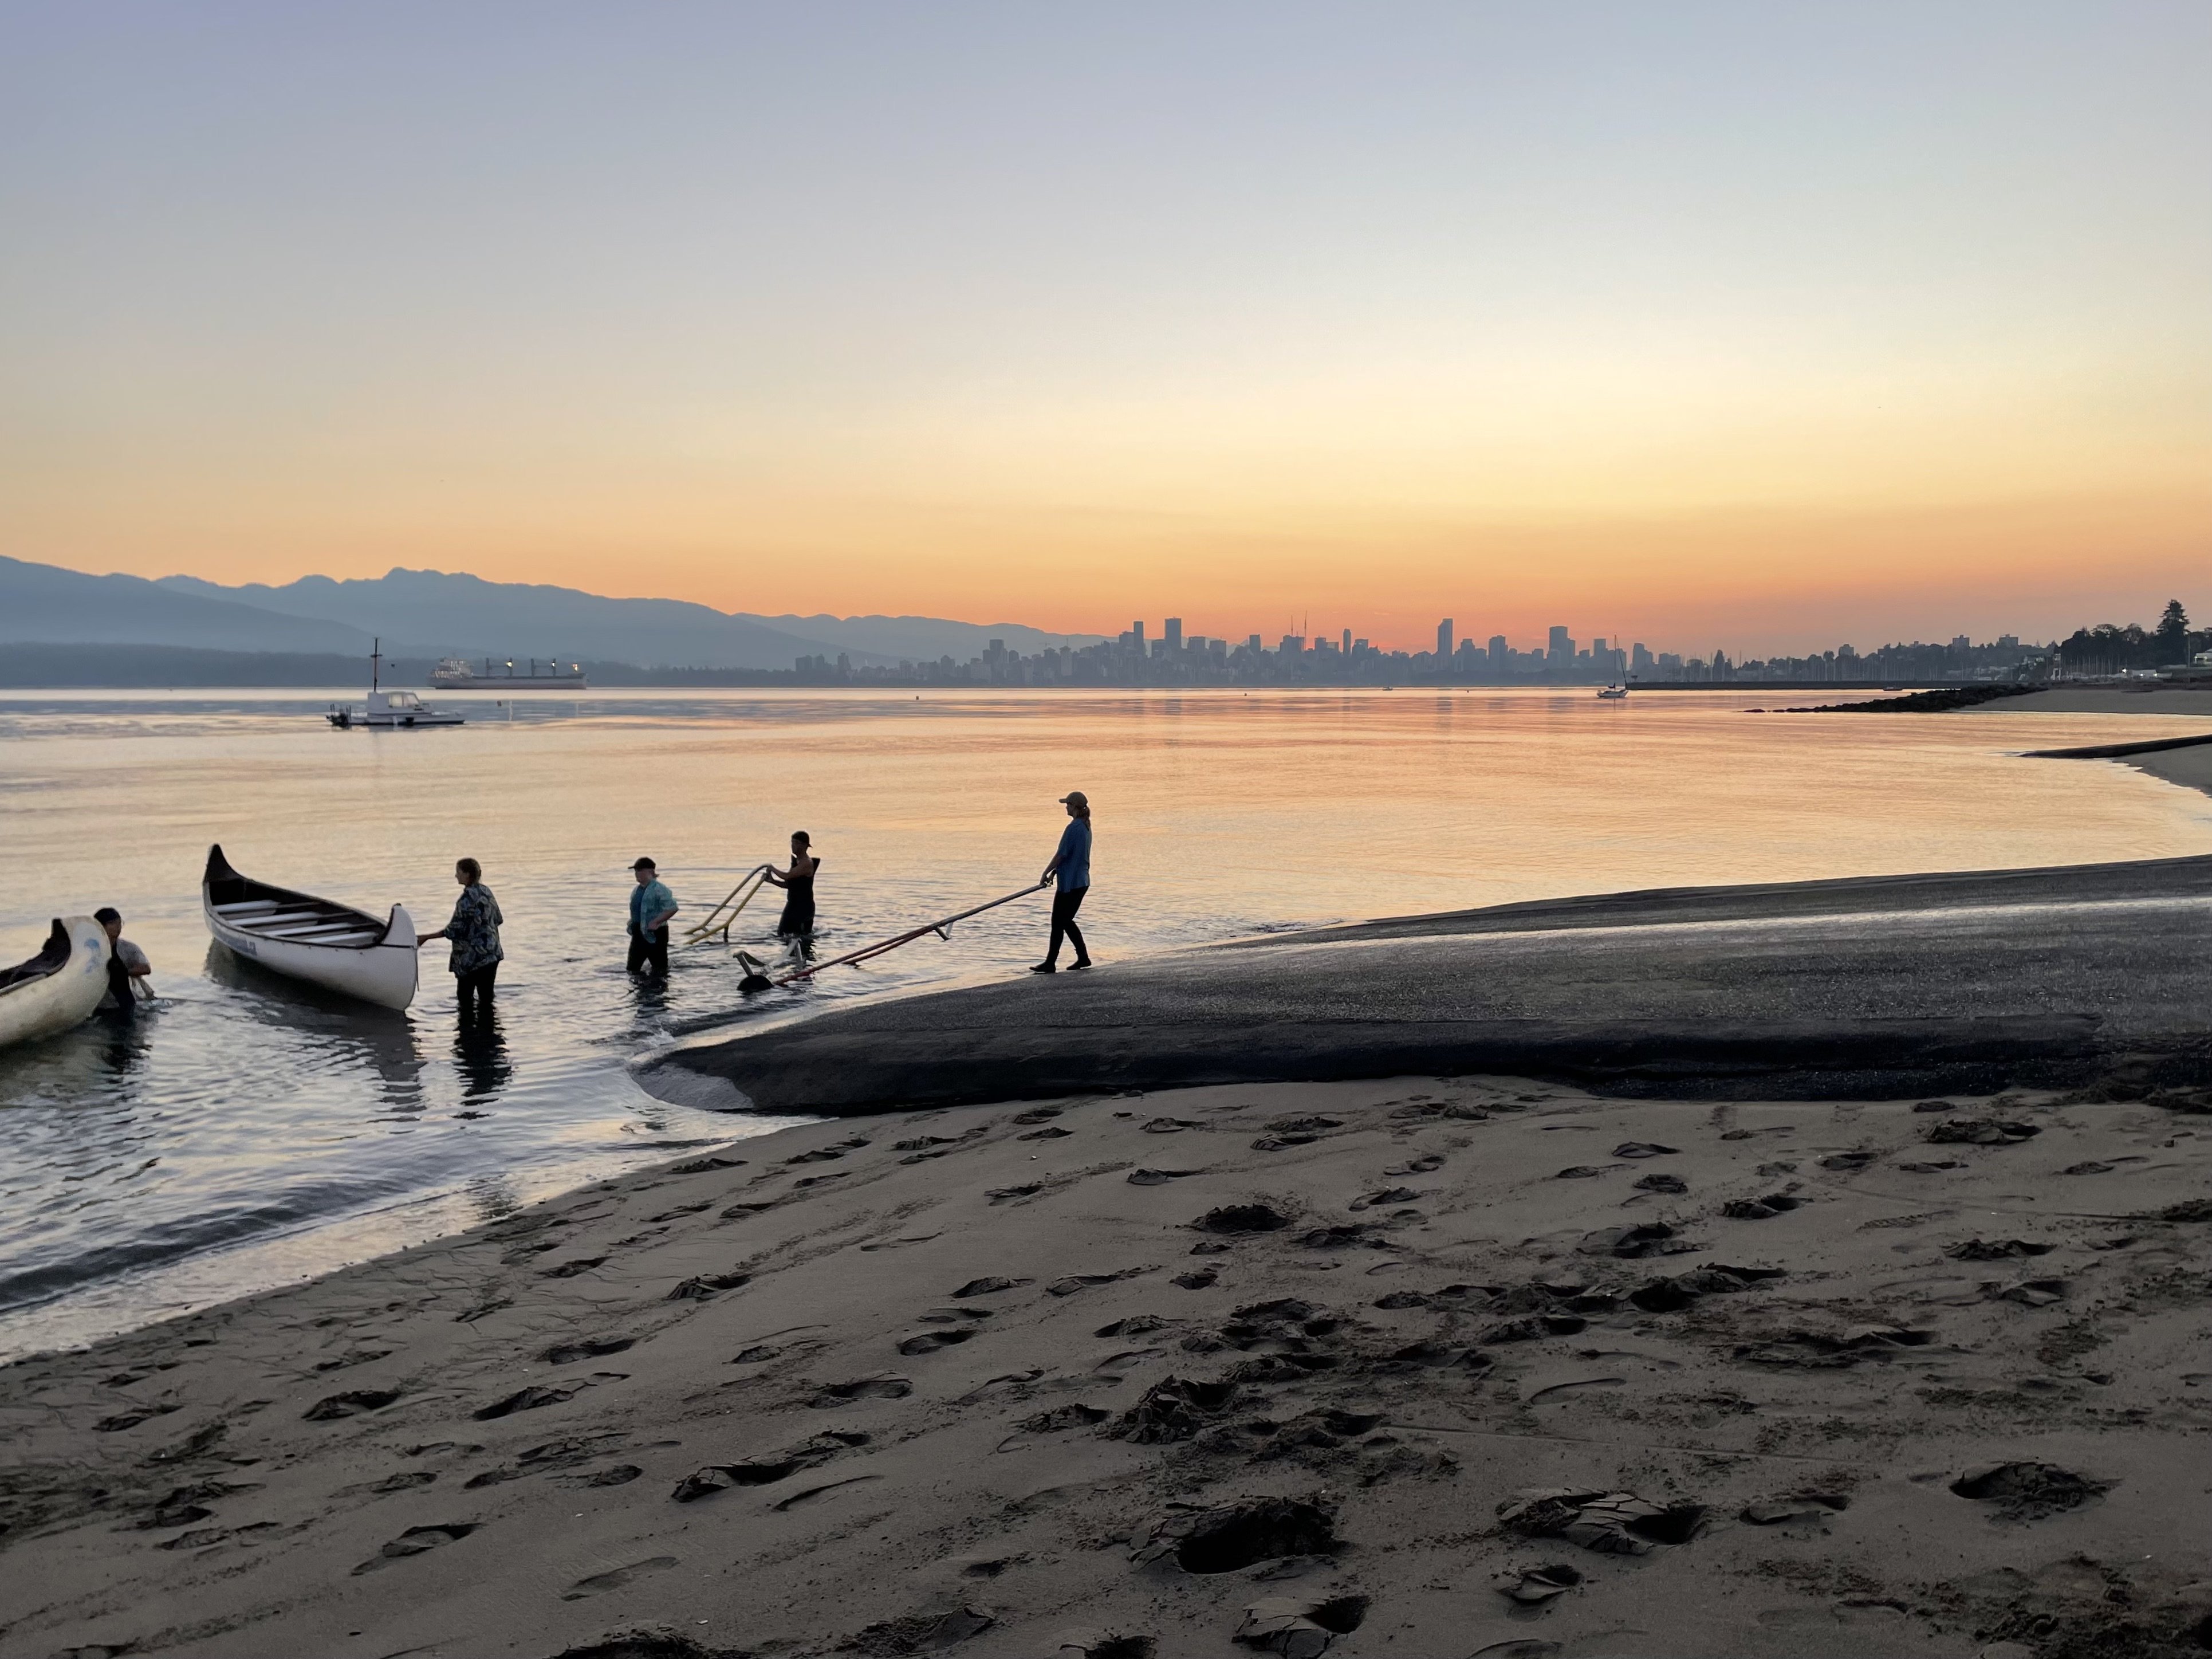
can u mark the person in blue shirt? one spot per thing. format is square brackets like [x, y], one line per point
[651, 908]
[1071, 869]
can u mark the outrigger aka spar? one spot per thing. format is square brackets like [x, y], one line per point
[757, 977]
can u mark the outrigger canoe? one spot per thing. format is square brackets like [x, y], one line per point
[317, 940]
[59, 987]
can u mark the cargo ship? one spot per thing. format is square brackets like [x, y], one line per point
[458, 674]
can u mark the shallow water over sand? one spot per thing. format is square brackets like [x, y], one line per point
[247, 1133]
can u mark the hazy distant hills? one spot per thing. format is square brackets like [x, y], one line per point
[43, 605]
[427, 613]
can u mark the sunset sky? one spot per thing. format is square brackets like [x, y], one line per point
[1747, 325]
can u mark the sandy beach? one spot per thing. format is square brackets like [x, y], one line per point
[1715, 1332]
[1435, 1365]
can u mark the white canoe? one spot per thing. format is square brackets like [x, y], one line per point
[316, 940]
[59, 987]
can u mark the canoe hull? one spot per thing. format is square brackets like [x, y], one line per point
[65, 998]
[379, 966]
[383, 974]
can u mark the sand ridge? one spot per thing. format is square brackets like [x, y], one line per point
[1455, 1367]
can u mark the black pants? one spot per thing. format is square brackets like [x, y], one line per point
[475, 988]
[1066, 901]
[649, 951]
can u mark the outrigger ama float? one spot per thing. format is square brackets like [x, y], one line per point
[316, 940]
[59, 987]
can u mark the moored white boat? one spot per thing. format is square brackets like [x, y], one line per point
[59, 987]
[316, 940]
[391, 709]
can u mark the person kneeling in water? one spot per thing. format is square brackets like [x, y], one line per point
[1071, 868]
[127, 967]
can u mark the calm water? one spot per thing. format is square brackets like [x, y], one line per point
[245, 1133]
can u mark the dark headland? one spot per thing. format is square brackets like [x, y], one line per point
[1879, 987]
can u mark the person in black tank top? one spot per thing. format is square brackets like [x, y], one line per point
[797, 920]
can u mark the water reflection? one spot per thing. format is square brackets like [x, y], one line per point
[480, 1054]
[248, 1107]
[352, 1036]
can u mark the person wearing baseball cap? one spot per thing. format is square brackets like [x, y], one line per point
[651, 908]
[1071, 869]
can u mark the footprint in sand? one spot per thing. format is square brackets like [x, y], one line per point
[1799, 1506]
[2029, 1491]
[930, 1341]
[1422, 1165]
[952, 1316]
[534, 1398]
[619, 1474]
[988, 1286]
[351, 1404]
[1387, 1195]
[812, 1492]
[1758, 1209]
[895, 1244]
[1562, 1390]
[1243, 1218]
[1047, 1133]
[1159, 1177]
[418, 1541]
[591, 1347]
[868, 1387]
[702, 1286]
[1532, 1587]
[1074, 1282]
[1978, 1250]
[600, 1583]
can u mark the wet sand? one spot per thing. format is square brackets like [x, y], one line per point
[1868, 987]
[2162, 700]
[1425, 1366]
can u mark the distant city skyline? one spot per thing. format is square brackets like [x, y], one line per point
[1758, 327]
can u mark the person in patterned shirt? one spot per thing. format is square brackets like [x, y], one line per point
[474, 931]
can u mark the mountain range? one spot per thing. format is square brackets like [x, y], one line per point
[429, 613]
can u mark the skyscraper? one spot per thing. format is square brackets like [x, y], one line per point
[1562, 648]
[1174, 635]
[1444, 638]
[1348, 641]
